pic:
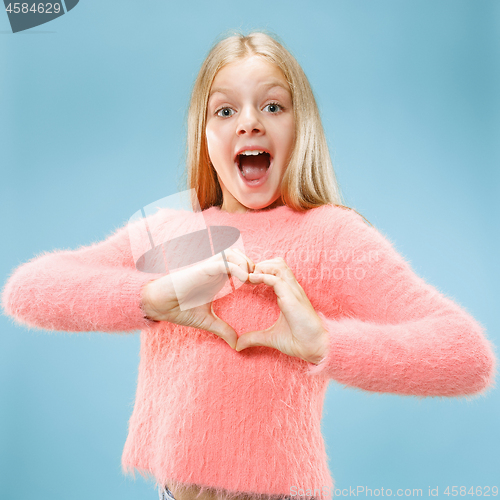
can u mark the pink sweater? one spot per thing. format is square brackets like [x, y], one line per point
[249, 421]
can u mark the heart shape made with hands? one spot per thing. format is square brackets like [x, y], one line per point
[298, 331]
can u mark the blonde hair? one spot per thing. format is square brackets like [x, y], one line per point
[309, 180]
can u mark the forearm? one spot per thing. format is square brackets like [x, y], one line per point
[444, 355]
[390, 331]
[58, 293]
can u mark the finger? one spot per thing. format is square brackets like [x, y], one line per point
[211, 268]
[281, 270]
[281, 288]
[238, 259]
[241, 259]
[248, 259]
[292, 294]
[228, 268]
[276, 266]
[215, 268]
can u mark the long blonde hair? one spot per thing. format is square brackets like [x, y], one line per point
[309, 180]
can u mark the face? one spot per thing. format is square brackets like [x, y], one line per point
[250, 132]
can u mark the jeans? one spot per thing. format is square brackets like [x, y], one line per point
[166, 494]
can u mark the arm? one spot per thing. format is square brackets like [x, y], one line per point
[92, 288]
[397, 333]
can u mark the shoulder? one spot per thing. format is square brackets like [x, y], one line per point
[339, 217]
[175, 222]
[344, 227]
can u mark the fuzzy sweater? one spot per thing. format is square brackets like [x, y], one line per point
[249, 421]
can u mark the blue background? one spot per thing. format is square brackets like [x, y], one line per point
[92, 128]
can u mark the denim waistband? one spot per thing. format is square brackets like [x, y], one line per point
[166, 494]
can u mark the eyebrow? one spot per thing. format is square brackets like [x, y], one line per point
[266, 86]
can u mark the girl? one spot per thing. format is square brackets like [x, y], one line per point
[230, 391]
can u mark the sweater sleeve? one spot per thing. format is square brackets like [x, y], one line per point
[93, 288]
[396, 333]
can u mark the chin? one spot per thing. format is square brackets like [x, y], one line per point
[259, 206]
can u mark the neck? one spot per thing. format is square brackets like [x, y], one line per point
[242, 209]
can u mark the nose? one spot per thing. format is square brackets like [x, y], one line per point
[249, 122]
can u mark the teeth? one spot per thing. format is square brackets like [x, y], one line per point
[252, 152]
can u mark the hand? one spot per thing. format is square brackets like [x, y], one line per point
[169, 298]
[299, 330]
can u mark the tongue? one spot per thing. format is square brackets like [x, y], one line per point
[254, 167]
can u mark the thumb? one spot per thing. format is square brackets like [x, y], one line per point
[222, 330]
[252, 339]
[260, 337]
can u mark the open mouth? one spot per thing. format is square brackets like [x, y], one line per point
[253, 165]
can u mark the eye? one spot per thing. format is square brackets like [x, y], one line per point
[224, 112]
[274, 107]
